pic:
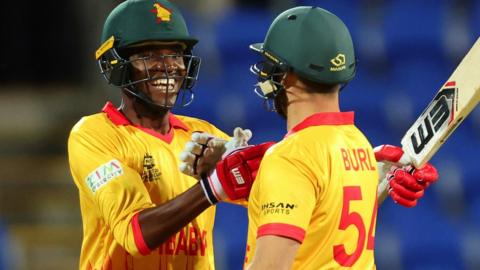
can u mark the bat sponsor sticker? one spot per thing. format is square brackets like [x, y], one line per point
[437, 117]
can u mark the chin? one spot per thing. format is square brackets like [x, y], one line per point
[163, 102]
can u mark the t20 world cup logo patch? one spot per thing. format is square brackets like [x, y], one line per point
[150, 173]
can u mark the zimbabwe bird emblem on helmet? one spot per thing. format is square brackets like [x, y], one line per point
[162, 13]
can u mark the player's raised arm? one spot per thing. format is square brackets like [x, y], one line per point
[157, 224]
[231, 179]
[457, 97]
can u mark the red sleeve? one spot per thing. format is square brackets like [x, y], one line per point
[282, 229]
[138, 236]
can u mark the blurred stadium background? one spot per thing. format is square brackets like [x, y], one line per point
[406, 49]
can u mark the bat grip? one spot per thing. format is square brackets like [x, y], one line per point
[383, 186]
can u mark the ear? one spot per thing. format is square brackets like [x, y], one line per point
[289, 79]
[292, 83]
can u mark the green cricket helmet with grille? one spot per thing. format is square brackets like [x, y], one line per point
[136, 23]
[310, 41]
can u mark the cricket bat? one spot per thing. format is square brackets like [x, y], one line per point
[450, 106]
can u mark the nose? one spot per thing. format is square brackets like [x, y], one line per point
[165, 64]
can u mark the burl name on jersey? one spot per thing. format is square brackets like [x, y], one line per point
[357, 159]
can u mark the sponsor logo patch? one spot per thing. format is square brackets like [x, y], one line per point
[437, 117]
[338, 62]
[104, 174]
[238, 176]
[278, 208]
[107, 45]
[271, 57]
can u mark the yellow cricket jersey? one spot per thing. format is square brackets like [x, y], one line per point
[318, 186]
[121, 169]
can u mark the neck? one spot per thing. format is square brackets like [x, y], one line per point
[145, 115]
[302, 105]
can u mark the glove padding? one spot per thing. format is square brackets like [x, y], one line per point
[203, 151]
[234, 175]
[406, 183]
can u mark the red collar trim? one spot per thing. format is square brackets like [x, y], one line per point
[320, 119]
[176, 123]
[119, 119]
[115, 115]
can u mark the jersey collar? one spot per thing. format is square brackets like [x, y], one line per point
[119, 119]
[323, 119]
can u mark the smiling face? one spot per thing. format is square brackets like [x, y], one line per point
[162, 70]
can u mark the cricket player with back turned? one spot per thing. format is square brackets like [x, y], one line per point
[314, 204]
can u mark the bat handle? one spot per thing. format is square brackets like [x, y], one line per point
[383, 186]
[382, 190]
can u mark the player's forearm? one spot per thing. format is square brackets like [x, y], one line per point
[262, 264]
[274, 252]
[159, 223]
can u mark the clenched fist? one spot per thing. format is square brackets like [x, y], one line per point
[203, 151]
[406, 183]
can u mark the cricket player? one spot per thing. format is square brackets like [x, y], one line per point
[314, 204]
[138, 210]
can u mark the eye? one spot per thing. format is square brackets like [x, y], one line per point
[147, 54]
[140, 55]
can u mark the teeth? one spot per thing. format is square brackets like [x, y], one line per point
[158, 82]
[164, 88]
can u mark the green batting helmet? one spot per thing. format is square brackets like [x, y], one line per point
[313, 42]
[143, 22]
[138, 21]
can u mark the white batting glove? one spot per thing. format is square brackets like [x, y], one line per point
[203, 151]
[240, 139]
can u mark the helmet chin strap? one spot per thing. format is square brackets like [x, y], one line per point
[142, 96]
[147, 101]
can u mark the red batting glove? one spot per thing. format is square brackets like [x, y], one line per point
[234, 175]
[407, 184]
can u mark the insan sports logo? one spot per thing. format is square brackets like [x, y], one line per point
[338, 62]
[163, 14]
[278, 208]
